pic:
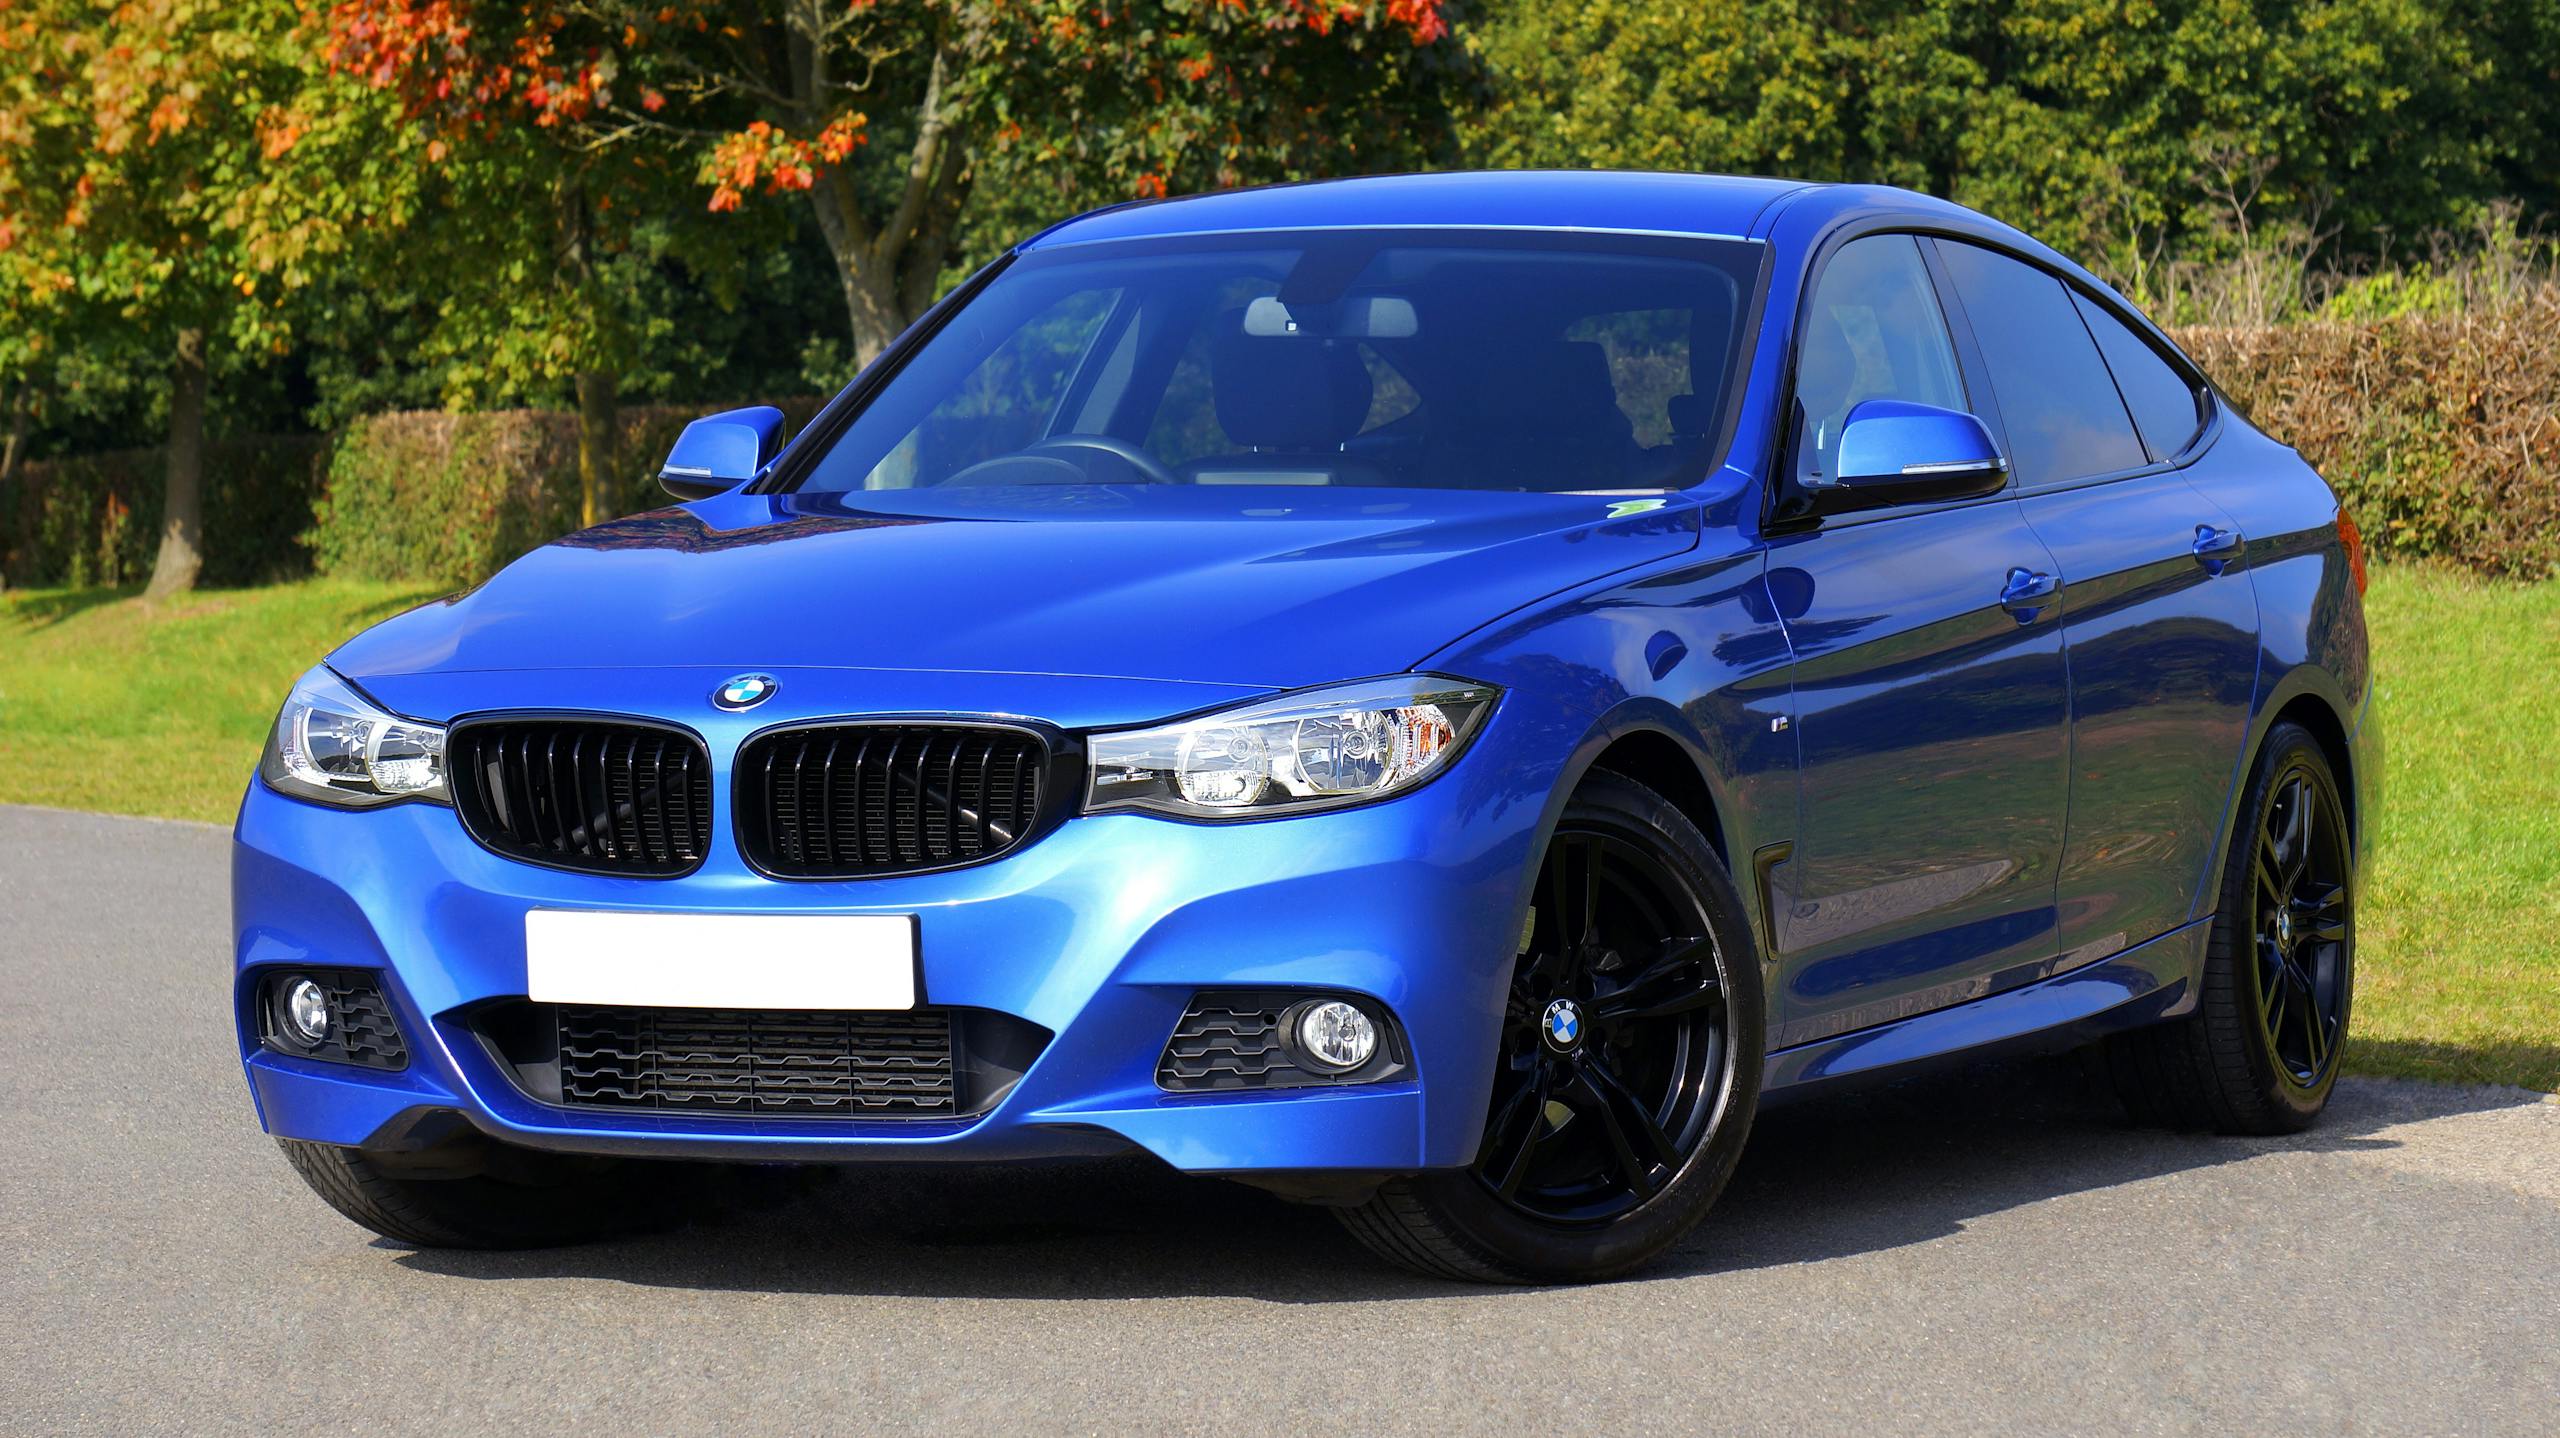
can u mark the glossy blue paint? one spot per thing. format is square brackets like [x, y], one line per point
[721, 450]
[1982, 815]
[1896, 451]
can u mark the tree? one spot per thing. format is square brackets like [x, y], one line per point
[2100, 125]
[168, 168]
[891, 116]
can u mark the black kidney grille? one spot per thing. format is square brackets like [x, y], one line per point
[736, 1061]
[581, 794]
[848, 800]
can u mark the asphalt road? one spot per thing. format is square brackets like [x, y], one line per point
[1991, 1249]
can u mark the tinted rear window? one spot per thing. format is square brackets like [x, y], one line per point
[2163, 403]
[2059, 404]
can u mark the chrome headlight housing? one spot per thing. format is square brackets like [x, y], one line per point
[1291, 753]
[334, 746]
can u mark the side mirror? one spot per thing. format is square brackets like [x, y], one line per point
[722, 451]
[1895, 452]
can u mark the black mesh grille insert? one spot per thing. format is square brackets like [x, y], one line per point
[846, 800]
[1222, 1045]
[731, 1061]
[605, 797]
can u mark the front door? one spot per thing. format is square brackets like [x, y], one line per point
[1932, 707]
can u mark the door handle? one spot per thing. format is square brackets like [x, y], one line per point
[2027, 593]
[2215, 548]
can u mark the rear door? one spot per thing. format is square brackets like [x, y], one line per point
[2160, 629]
[1931, 714]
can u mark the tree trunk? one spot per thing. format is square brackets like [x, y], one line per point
[9, 451]
[599, 446]
[181, 555]
[870, 297]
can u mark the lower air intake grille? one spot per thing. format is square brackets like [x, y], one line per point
[729, 1061]
[1236, 1041]
[849, 800]
[598, 796]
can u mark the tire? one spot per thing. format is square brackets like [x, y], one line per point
[541, 1201]
[1675, 1038]
[2243, 1062]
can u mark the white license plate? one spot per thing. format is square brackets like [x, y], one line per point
[720, 961]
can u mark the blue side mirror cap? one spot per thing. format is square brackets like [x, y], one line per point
[1896, 452]
[722, 451]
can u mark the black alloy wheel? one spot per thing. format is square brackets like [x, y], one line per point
[2258, 1051]
[1627, 1062]
[1613, 1039]
[2301, 922]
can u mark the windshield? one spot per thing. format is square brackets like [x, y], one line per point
[1404, 359]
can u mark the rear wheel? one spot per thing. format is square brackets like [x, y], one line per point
[515, 1199]
[2260, 1053]
[1628, 1070]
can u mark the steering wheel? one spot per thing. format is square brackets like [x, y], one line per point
[1138, 459]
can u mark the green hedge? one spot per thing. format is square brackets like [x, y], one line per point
[95, 518]
[450, 497]
[2440, 432]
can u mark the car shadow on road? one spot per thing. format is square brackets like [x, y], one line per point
[1824, 1177]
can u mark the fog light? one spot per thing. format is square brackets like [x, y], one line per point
[306, 1011]
[1336, 1036]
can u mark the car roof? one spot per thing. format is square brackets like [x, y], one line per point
[1639, 201]
[1725, 205]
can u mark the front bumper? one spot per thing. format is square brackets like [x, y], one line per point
[1099, 933]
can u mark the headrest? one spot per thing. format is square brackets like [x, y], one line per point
[1548, 386]
[1289, 391]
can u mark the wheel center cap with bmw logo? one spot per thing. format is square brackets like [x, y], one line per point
[1562, 1025]
[744, 691]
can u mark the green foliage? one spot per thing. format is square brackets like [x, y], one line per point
[2132, 128]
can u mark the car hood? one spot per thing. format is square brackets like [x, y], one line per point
[1238, 589]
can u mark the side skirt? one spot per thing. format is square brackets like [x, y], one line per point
[2151, 981]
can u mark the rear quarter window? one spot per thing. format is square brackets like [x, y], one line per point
[2163, 403]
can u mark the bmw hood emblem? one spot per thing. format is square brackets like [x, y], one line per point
[745, 691]
[1563, 1025]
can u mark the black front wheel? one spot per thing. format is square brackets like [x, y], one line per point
[1629, 1063]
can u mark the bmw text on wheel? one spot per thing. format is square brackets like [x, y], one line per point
[1431, 696]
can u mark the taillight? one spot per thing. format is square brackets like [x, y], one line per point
[2352, 539]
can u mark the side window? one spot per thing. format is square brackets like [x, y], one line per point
[2163, 403]
[1871, 331]
[2064, 417]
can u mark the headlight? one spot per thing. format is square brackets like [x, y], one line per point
[1315, 749]
[333, 745]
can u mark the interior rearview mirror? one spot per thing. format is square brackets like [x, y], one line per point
[721, 451]
[1895, 452]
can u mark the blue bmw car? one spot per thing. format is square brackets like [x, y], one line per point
[1432, 696]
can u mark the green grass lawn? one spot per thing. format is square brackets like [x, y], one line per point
[135, 707]
[108, 702]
